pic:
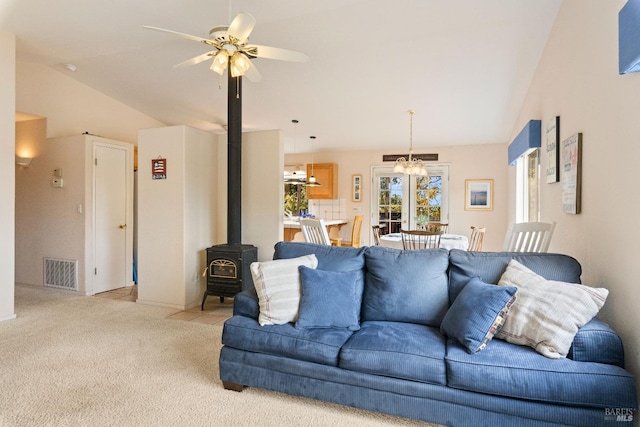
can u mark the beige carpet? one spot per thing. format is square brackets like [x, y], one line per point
[70, 360]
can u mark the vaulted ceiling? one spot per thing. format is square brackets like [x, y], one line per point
[464, 66]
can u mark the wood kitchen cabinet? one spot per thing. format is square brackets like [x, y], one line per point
[327, 175]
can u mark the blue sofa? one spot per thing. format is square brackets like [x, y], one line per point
[398, 362]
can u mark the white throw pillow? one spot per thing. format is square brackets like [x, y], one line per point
[547, 313]
[277, 283]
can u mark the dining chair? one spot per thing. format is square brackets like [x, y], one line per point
[420, 239]
[355, 234]
[437, 227]
[376, 234]
[315, 231]
[475, 240]
[528, 237]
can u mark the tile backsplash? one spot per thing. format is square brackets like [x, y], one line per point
[328, 209]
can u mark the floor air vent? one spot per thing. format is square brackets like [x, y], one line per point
[61, 273]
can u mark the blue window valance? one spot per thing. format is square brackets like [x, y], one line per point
[530, 137]
[629, 37]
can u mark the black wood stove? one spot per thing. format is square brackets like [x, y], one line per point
[228, 270]
[228, 264]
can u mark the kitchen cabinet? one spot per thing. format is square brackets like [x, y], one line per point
[327, 175]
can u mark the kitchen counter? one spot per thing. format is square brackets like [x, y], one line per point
[294, 223]
[292, 227]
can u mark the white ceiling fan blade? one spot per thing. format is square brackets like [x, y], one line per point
[241, 26]
[183, 35]
[196, 60]
[269, 52]
[252, 73]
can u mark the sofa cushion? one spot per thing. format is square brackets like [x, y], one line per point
[399, 350]
[597, 342]
[311, 345]
[518, 371]
[334, 258]
[277, 284]
[405, 286]
[330, 299]
[548, 313]
[478, 313]
[489, 266]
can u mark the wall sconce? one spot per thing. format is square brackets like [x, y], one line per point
[23, 161]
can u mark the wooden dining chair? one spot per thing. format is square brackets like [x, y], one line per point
[376, 234]
[476, 238]
[420, 239]
[437, 227]
[528, 237]
[315, 231]
[355, 234]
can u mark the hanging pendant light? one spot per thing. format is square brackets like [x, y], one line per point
[312, 179]
[411, 166]
[296, 178]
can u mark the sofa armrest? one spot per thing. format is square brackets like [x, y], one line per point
[246, 304]
[597, 342]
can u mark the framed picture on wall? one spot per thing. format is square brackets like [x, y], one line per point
[478, 195]
[552, 136]
[572, 174]
[357, 188]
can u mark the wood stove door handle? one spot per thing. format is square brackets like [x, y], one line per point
[122, 226]
[204, 273]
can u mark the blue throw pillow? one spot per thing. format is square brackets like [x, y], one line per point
[477, 313]
[330, 299]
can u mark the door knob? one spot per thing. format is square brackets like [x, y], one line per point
[123, 226]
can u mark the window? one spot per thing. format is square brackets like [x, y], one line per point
[401, 199]
[527, 187]
[295, 198]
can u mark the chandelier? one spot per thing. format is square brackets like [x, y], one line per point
[411, 166]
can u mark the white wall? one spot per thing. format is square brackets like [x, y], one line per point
[176, 215]
[73, 108]
[262, 190]
[47, 223]
[7, 174]
[487, 161]
[201, 203]
[578, 80]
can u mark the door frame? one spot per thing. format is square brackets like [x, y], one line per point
[409, 187]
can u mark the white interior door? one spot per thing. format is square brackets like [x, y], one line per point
[399, 199]
[110, 210]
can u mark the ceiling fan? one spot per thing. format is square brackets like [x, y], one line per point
[232, 49]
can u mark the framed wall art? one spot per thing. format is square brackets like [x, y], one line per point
[552, 136]
[572, 174]
[478, 195]
[357, 188]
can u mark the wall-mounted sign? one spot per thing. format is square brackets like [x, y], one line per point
[423, 157]
[159, 168]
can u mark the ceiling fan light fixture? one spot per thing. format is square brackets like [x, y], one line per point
[239, 64]
[220, 62]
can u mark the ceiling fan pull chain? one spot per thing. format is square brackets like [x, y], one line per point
[238, 87]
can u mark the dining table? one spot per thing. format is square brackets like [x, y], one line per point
[447, 241]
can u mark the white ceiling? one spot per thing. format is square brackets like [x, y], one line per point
[464, 66]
